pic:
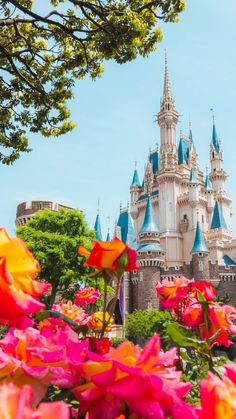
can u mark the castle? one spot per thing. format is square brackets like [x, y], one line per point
[179, 221]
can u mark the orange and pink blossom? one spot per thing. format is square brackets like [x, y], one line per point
[87, 295]
[171, 293]
[30, 357]
[206, 289]
[70, 310]
[19, 291]
[221, 319]
[218, 395]
[144, 381]
[17, 403]
[106, 255]
[192, 314]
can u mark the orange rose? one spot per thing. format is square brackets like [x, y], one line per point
[106, 255]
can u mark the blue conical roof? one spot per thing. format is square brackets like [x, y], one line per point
[127, 229]
[218, 220]
[199, 245]
[135, 181]
[149, 223]
[215, 140]
[208, 185]
[108, 239]
[97, 228]
[183, 151]
[192, 177]
[154, 159]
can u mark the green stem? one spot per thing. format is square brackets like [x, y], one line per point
[205, 317]
[104, 309]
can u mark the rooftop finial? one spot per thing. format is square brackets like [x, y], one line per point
[206, 171]
[135, 164]
[213, 115]
[98, 206]
[120, 206]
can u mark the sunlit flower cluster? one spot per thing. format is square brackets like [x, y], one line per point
[87, 295]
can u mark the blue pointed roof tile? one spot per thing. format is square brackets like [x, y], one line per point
[192, 177]
[97, 228]
[149, 223]
[218, 220]
[108, 239]
[135, 181]
[154, 159]
[183, 151]
[199, 245]
[208, 184]
[215, 140]
[226, 260]
[127, 229]
[155, 247]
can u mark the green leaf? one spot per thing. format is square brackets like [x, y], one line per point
[181, 336]
[201, 297]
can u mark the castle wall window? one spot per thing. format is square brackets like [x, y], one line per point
[200, 266]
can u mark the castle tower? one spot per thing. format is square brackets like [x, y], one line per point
[217, 175]
[200, 256]
[150, 258]
[134, 192]
[167, 119]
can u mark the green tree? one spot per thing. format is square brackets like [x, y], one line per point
[46, 45]
[142, 324]
[53, 238]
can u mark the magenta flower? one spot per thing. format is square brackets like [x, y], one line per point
[143, 382]
[30, 357]
[86, 296]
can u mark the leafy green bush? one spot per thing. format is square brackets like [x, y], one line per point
[142, 324]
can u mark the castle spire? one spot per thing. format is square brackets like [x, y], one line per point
[199, 245]
[167, 89]
[97, 226]
[218, 220]
[135, 182]
[149, 223]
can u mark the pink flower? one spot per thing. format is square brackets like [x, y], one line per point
[171, 293]
[192, 314]
[144, 380]
[218, 396]
[16, 403]
[30, 357]
[86, 296]
[220, 319]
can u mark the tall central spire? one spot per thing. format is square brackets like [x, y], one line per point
[167, 89]
[167, 119]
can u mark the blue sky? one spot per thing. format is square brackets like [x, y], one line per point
[115, 117]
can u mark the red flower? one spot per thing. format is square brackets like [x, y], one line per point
[100, 346]
[206, 288]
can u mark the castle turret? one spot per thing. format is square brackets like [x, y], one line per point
[217, 175]
[97, 227]
[200, 256]
[167, 119]
[134, 192]
[150, 258]
[193, 189]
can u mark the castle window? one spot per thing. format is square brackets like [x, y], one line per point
[200, 266]
[202, 219]
[213, 155]
[185, 217]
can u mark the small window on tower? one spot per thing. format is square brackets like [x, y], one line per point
[185, 217]
[202, 219]
[213, 155]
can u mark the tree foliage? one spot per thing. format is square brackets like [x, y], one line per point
[53, 238]
[46, 45]
[142, 324]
